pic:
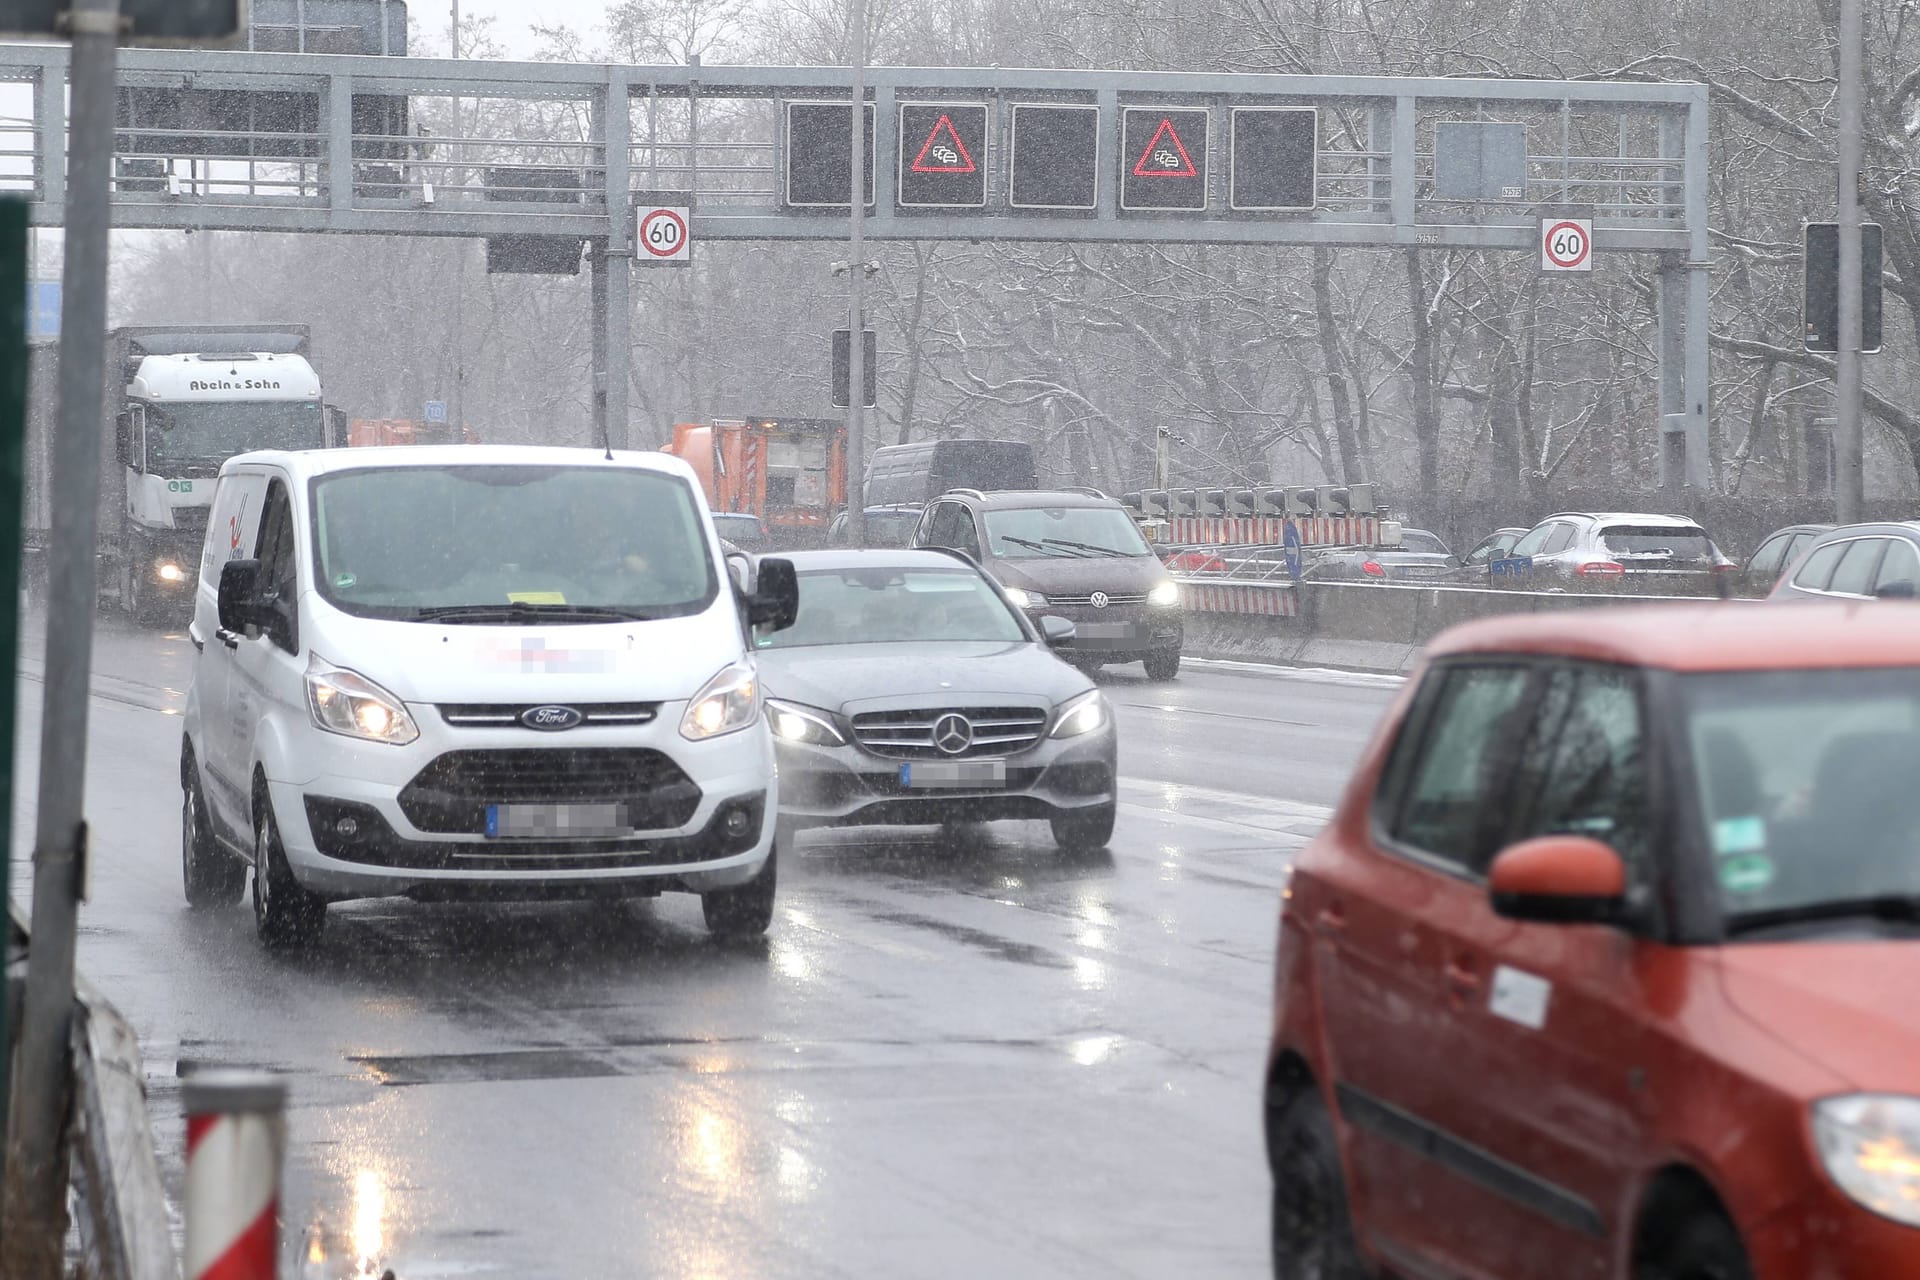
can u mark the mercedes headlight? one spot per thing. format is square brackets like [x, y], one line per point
[1024, 599]
[1870, 1143]
[794, 723]
[729, 702]
[346, 702]
[1165, 595]
[1081, 715]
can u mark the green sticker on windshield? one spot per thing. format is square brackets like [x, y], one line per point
[1747, 873]
[1739, 835]
[345, 581]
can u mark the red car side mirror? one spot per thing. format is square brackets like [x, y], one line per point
[1560, 879]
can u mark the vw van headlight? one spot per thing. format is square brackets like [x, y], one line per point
[1025, 599]
[1082, 715]
[1870, 1144]
[347, 703]
[1166, 595]
[729, 702]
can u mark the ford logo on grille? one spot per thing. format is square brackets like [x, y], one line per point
[552, 719]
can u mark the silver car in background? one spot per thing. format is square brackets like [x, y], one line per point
[1616, 551]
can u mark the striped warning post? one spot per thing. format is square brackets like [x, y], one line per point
[1271, 531]
[1270, 600]
[236, 1137]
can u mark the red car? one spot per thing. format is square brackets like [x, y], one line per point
[1609, 963]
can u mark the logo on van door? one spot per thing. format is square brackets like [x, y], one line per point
[552, 719]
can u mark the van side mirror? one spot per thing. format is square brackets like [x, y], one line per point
[240, 603]
[1560, 880]
[775, 600]
[740, 567]
[1058, 632]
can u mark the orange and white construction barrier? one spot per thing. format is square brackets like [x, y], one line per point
[1263, 599]
[236, 1138]
[1270, 531]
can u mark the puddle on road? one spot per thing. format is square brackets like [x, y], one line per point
[979, 939]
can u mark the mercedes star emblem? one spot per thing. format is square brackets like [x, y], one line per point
[1098, 600]
[952, 734]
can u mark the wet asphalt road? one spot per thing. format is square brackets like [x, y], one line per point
[972, 1059]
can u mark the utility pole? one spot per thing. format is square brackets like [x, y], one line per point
[36, 1168]
[856, 280]
[458, 408]
[1849, 480]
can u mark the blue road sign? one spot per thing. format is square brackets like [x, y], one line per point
[436, 411]
[43, 309]
[1290, 546]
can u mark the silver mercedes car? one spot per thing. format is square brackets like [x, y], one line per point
[910, 690]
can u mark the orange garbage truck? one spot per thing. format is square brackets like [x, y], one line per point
[363, 432]
[790, 472]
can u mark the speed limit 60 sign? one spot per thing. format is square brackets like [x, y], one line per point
[663, 233]
[1566, 244]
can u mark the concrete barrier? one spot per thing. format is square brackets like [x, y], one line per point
[1360, 626]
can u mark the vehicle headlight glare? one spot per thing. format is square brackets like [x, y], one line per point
[728, 703]
[347, 703]
[1870, 1144]
[1165, 595]
[171, 572]
[1082, 715]
[793, 723]
[1024, 599]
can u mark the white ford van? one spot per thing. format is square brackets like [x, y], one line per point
[474, 672]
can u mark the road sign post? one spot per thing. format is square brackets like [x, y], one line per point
[13, 422]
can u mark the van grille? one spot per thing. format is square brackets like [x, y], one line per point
[502, 715]
[450, 796]
[1113, 598]
[908, 735]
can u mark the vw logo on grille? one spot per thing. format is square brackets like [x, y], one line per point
[952, 734]
[1098, 600]
[552, 719]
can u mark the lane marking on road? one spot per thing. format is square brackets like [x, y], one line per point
[1311, 675]
[1220, 715]
[1223, 810]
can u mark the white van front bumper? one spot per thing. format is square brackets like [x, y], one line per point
[372, 820]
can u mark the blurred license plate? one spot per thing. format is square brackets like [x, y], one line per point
[1104, 630]
[1411, 571]
[558, 821]
[954, 773]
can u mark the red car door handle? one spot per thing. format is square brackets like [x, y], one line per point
[1332, 919]
[1462, 977]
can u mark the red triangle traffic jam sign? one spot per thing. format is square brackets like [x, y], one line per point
[1165, 156]
[948, 155]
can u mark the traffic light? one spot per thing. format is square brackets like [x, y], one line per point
[1302, 502]
[1240, 502]
[1820, 289]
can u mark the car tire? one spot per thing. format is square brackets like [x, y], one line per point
[285, 915]
[1704, 1247]
[1311, 1225]
[744, 911]
[211, 876]
[1084, 830]
[1162, 664]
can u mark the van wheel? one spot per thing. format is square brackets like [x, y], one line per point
[1162, 664]
[1312, 1228]
[744, 911]
[1084, 830]
[284, 915]
[211, 876]
[1705, 1247]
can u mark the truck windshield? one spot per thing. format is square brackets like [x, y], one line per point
[496, 544]
[208, 433]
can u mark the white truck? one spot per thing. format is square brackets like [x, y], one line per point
[181, 400]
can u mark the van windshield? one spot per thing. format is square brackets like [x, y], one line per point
[489, 544]
[1026, 533]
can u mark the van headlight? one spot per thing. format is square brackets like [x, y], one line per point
[794, 723]
[729, 702]
[1166, 595]
[347, 703]
[1024, 599]
[1870, 1144]
[1081, 715]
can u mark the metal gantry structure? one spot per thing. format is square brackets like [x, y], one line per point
[552, 152]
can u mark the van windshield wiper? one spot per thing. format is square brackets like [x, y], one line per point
[1902, 908]
[1044, 548]
[521, 612]
[1092, 548]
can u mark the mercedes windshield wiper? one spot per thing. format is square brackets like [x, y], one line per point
[1902, 908]
[1043, 547]
[524, 612]
[1092, 548]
